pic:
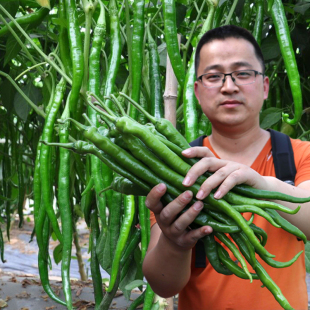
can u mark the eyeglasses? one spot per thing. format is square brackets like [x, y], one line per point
[217, 79]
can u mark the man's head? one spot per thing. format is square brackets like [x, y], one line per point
[226, 32]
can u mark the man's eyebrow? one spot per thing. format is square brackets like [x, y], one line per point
[234, 65]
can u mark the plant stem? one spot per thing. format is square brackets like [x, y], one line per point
[231, 12]
[78, 253]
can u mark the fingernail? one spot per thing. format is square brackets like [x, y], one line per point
[186, 181]
[217, 195]
[161, 187]
[200, 194]
[188, 194]
[207, 230]
[147, 204]
[198, 206]
[186, 152]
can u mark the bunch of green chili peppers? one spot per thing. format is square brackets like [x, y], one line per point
[146, 155]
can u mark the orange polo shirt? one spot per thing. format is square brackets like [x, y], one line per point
[209, 290]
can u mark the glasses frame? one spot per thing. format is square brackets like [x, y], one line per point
[232, 78]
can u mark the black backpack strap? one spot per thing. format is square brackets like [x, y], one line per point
[198, 141]
[283, 157]
[200, 254]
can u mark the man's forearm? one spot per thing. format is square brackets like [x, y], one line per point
[167, 268]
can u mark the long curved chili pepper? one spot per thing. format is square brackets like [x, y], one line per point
[170, 29]
[258, 26]
[212, 255]
[157, 104]
[148, 298]
[283, 34]
[21, 186]
[115, 48]
[64, 40]
[129, 210]
[223, 238]
[45, 164]
[65, 208]
[43, 264]
[240, 200]
[286, 225]
[137, 52]
[30, 20]
[76, 52]
[230, 264]
[258, 211]
[94, 264]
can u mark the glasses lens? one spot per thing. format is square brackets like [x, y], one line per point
[244, 77]
[210, 80]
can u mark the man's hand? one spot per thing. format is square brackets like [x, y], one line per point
[227, 174]
[175, 228]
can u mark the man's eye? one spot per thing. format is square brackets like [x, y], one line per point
[213, 77]
[244, 74]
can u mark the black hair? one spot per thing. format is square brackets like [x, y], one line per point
[225, 32]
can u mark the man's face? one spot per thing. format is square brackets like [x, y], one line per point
[235, 106]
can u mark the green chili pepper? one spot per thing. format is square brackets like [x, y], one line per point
[286, 225]
[234, 250]
[65, 208]
[258, 26]
[21, 186]
[230, 264]
[115, 48]
[94, 264]
[43, 265]
[212, 255]
[64, 40]
[258, 211]
[30, 21]
[148, 298]
[137, 302]
[157, 104]
[240, 200]
[171, 38]
[76, 52]
[45, 164]
[283, 34]
[137, 52]
[246, 14]
[124, 233]
[276, 264]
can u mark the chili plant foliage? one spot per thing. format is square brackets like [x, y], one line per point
[59, 56]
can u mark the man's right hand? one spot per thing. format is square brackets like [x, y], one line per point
[174, 227]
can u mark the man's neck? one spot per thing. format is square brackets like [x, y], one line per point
[242, 146]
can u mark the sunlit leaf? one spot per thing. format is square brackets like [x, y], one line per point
[44, 3]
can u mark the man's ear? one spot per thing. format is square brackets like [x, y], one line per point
[196, 86]
[266, 87]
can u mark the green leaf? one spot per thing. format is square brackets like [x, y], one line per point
[22, 108]
[162, 52]
[7, 93]
[103, 251]
[270, 47]
[270, 117]
[57, 254]
[10, 5]
[307, 255]
[44, 3]
[134, 284]
[12, 49]
[302, 7]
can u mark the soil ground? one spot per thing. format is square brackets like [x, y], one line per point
[20, 286]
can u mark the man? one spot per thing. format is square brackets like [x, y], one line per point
[231, 88]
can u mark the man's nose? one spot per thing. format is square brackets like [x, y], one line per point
[229, 84]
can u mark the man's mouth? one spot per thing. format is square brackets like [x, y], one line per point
[231, 103]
